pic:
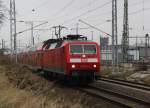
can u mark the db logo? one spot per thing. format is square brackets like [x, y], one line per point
[84, 60]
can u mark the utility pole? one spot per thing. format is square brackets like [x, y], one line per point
[92, 32]
[2, 44]
[114, 36]
[32, 29]
[77, 29]
[13, 28]
[146, 46]
[125, 36]
[32, 37]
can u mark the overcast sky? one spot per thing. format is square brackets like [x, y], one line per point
[68, 12]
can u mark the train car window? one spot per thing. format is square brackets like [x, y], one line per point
[53, 45]
[76, 49]
[89, 49]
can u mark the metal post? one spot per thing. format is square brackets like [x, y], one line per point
[125, 36]
[136, 50]
[32, 38]
[146, 46]
[77, 29]
[11, 31]
[15, 35]
[92, 32]
[114, 36]
[59, 31]
[113, 56]
[2, 43]
[13, 27]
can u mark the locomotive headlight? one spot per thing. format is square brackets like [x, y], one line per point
[94, 66]
[83, 56]
[73, 66]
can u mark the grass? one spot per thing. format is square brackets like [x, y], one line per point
[106, 71]
[20, 88]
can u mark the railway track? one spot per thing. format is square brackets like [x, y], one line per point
[122, 93]
[126, 83]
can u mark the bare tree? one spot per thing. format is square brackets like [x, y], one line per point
[3, 9]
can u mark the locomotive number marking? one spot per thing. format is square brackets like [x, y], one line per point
[84, 60]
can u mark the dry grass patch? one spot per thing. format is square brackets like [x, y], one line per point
[21, 88]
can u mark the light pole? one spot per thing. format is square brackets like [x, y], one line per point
[32, 31]
[32, 38]
[13, 29]
[92, 32]
[32, 28]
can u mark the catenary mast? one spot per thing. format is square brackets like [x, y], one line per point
[125, 36]
[114, 36]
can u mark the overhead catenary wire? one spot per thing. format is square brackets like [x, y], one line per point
[89, 11]
[82, 14]
[88, 4]
[109, 12]
[42, 4]
[60, 11]
[31, 28]
[131, 13]
[138, 11]
[95, 27]
[76, 9]
[64, 7]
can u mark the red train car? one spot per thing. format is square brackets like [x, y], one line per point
[72, 57]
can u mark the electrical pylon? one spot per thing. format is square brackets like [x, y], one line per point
[125, 35]
[13, 28]
[114, 36]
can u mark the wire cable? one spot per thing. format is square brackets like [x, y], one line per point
[80, 8]
[89, 11]
[42, 4]
[109, 12]
[60, 11]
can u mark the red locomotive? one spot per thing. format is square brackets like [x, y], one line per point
[71, 57]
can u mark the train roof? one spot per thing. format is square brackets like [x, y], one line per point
[56, 43]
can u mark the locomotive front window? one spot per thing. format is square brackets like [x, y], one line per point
[76, 49]
[83, 49]
[89, 49]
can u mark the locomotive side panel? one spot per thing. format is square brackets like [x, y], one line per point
[53, 60]
[39, 59]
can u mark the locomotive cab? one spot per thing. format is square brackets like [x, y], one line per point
[84, 60]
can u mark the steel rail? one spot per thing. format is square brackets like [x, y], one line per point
[115, 97]
[126, 83]
[104, 95]
[131, 98]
